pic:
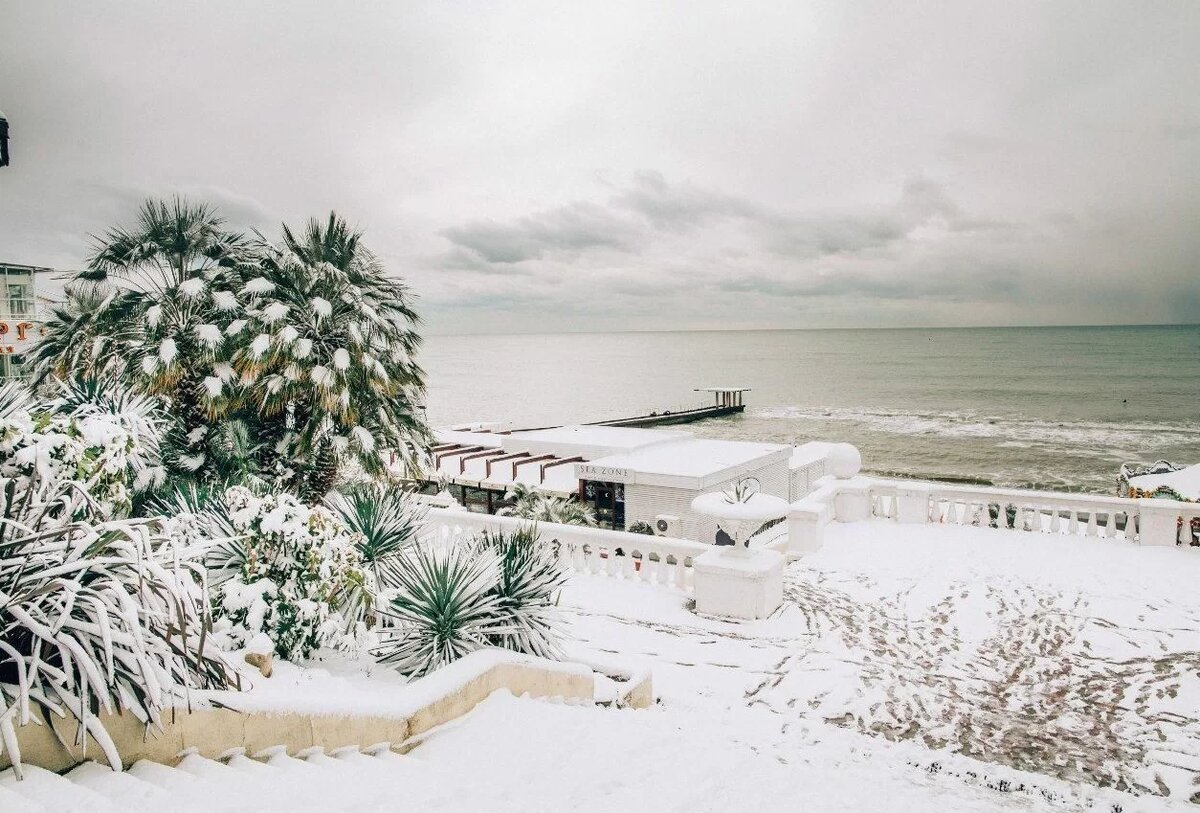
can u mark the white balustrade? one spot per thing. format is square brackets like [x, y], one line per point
[636, 557]
[1050, 512]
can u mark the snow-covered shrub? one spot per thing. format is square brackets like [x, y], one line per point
[104, 439]
[97, 615]
[528, 586]
[386, 520]
[492, 590]
[445, 607]
[297, 576]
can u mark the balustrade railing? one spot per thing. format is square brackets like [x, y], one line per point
[636, 557]
[1040, 511]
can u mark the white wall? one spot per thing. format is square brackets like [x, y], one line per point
[646, 502]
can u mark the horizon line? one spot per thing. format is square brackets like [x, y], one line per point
[812, 329]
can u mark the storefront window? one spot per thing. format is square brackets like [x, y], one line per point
[608, 501]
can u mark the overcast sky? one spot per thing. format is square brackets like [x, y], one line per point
[600, 166]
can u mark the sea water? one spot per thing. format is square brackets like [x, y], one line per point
[1051, 407]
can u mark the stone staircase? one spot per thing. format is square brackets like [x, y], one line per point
[270, 780]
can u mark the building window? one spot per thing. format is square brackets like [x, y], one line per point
[20, 299]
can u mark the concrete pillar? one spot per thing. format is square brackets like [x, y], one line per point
[1158, 522]
[853, 500]
[749, 585]
[806, 526]
[912, 503]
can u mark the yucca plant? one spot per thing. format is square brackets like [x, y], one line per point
[446, 606]
[108, 616]
[14, 397]
[530, 579]
[386, 518]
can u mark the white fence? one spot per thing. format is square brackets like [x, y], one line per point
[1146, 521]
[636, 557]
[1046, 511]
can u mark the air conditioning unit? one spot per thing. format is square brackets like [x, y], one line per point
[666, 525]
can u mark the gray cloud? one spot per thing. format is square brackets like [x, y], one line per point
[568, 229]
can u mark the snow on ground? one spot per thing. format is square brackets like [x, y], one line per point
[1072, 659]
[912, 668]
[515, 754]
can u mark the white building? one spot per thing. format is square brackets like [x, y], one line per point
[626, 475]
[19, 322]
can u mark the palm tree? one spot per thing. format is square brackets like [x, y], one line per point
[154, 308]
[330, 357]
[537, 506]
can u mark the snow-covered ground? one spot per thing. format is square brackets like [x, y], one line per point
[913, 668]
[1074, 659]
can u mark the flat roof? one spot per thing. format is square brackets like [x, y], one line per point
[468, 438]
[1186, 481]
[590, 441]
[721, 389]
[810, 452]
[691, 459]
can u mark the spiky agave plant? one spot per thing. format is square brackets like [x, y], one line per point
[530, 579]
[445, 607]
[109, 616]
[387, 520]
[331, 362]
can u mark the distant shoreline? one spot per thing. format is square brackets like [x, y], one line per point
[1167, 325]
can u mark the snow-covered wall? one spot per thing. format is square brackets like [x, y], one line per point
[645, 503]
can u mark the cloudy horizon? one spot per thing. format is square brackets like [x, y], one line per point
[545, 167]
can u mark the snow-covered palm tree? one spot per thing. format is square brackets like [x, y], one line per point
[154, 308]
[329, 356]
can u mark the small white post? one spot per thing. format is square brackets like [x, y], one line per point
[806, 526]
[852, 503]
[1158, 522]
[912, 503]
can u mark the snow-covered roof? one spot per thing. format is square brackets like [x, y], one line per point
[468, 438]
[686, 463]
[1186, 482]
[589, 441]
[810, 452]
[721, 389]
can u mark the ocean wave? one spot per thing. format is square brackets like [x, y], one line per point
[1016, 432]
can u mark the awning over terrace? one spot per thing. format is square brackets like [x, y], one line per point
[492, 467]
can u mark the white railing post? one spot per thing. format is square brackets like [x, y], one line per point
[912, 504]
[1158, 522]
[806, 526]
[852, 503]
